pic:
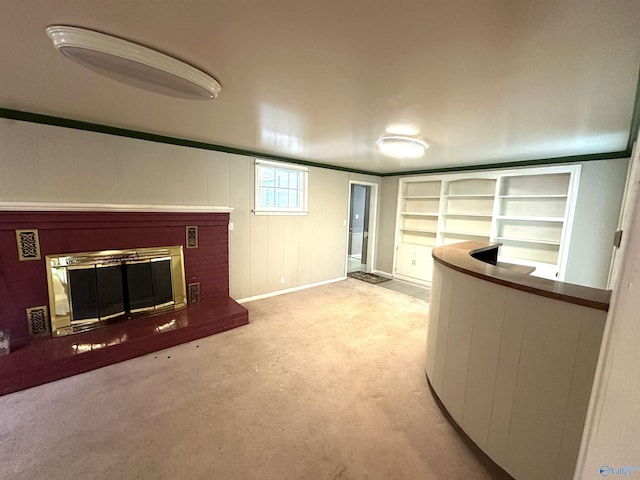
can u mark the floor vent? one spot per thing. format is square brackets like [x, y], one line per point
[38, 322]
[194, 292]
[192, 237]
[28, 244]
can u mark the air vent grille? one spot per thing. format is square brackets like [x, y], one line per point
[28, 244]
[192, 237]
[194, 292]
[38, 321]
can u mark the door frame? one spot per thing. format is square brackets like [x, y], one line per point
[373, 226]
[626, 213]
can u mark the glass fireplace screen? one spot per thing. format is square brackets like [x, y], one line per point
[88, 289]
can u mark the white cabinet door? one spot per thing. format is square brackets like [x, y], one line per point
[414, 262]
[405, 259]
[424, 263]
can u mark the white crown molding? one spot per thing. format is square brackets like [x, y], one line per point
[108, 207]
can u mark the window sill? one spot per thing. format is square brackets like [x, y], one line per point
[278, 212]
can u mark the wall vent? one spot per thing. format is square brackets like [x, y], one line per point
[192, 237]
[194, 292]
[38, 321]
[28, 244]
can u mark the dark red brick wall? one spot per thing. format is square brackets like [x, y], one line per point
[24, 284]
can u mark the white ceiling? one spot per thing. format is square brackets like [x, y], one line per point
[481, 81]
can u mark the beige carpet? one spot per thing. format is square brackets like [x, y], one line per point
[326, 383]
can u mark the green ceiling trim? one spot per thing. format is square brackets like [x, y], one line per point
[152, 137]
[523, 163]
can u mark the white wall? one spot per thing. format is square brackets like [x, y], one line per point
[42, 163]
[387, 224]
[595, 221]
[612, 432]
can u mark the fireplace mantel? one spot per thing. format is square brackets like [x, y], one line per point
[108, 207]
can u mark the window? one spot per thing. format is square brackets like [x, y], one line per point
[280, 188]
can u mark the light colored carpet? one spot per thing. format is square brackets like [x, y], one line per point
[325, 383]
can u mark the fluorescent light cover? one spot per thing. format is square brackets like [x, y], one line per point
[401, 147]
[133, 64]
[402, 129]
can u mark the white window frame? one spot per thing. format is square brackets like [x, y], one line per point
[304, 195]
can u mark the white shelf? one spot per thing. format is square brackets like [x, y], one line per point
[527, 240]
[476, 215]
[530, 218]
[472, 195]
[528, 263]
[521, 261]
[419, 230]
[532, 196]
[421, 197]
[419, 214]
[466, 234]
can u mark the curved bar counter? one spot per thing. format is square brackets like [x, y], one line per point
[512, 358]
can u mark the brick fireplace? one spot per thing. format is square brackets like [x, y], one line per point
[23, 281]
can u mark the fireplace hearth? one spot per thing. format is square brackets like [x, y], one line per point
[88, 290]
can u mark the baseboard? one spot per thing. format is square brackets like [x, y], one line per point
[289, 290]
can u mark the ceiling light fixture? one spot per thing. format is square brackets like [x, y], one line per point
[401, 147]
[133, 64]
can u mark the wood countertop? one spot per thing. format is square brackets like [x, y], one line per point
[459, 256]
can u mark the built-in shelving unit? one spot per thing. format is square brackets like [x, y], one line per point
[528, 210]
[467, 210]
[531, 218]
[419, 211]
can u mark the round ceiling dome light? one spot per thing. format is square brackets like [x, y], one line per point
[401, 147]
[133, 64]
